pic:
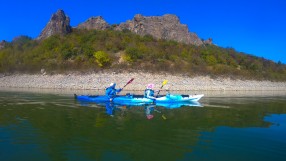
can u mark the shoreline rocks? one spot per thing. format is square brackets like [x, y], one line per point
[99, 81]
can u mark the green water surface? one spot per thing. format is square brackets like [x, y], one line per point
[53, 127]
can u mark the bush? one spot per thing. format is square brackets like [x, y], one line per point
[211, 60]
[102, 58]
[132, 54]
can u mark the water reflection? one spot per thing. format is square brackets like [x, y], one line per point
[149, 109]
[111, 107]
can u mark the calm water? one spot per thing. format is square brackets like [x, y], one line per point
[55, 127]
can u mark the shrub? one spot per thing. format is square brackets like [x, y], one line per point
[102, 58]
[211, 60]
[133, 54]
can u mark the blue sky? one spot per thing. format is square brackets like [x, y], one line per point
[256, 27]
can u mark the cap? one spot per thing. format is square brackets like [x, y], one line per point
[150, 86]
[112, 84]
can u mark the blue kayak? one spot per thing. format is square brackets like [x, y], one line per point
[170, 98]
[134, 99]
[117, 99]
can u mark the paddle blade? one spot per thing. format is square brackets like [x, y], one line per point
[128, 82]
[164, 82]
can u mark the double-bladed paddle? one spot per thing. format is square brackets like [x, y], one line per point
[164, 82]
[127, 84]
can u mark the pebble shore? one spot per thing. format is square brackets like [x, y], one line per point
[99, 81]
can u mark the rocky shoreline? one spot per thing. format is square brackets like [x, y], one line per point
[99, 81]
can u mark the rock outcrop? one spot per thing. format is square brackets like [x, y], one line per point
[58, 24]
[166, 27]
[94, 23]
[2, 44]
[209, 41]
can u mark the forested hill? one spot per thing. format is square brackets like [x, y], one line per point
[94, 50]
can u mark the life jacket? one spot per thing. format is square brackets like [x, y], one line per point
[110, 92]
[150, 91]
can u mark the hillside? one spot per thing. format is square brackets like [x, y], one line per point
[93, 50]
[158, 44]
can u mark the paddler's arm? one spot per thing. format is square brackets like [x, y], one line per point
[150, 97]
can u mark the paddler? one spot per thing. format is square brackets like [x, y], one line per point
[149, 92]
[111, 91]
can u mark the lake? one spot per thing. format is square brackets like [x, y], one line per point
[42, 126]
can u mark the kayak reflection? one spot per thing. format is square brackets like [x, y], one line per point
[111, 108]
[178, 105]
[166, 105]
[112, 105]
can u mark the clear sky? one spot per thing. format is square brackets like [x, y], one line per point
[256, 27]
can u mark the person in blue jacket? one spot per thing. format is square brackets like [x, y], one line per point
[149, 92]
[111, 91]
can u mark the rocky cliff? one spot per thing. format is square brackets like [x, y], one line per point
[58, 24]
[161, 27]
[94, 23]
[166, 27]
